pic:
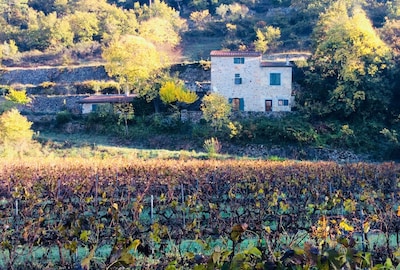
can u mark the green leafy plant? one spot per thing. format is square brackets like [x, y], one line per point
[212, 146]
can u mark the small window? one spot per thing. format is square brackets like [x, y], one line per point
[283, 102]
[275, 79]
[268, 105]
[238, 60]
[95, 107]
[238, 80]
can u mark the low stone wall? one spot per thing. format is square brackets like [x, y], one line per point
[42, 105]
[58, 75]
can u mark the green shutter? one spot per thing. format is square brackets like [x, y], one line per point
[275, 79]
[241, 104]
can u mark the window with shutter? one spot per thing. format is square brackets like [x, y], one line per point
[238, 79]
[238, 60]
[275, 79]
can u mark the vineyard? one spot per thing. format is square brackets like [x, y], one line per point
[198, 214]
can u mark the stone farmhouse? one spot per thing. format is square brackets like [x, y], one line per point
[251, 83]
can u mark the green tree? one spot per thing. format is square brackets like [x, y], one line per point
[61, 34]
[84, 25]
[159, 9]
[116, 21]
[350, 65]
[125, 113]
[16, 12]
[112, 20]
[390, 33]
[38, 33]
[61, 7]
[216, 110]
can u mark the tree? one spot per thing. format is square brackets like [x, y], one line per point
[391, 35]
[266, 37]
[232, 12]
[18, 96]
[38, 33]
[115, 21]
[9, 49]
[13, 98]
[159, 9]
[61, 34]
[159, 31]
[84, 25]
[132, 59]
[15, 131]
[125, 113]
[175, 94]
[350, 65]
[112, 20]
[200, 18]
[216, 110]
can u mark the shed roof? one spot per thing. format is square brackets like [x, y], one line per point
[108, 99]
[221, 53]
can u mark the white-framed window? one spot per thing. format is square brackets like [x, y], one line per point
[238, 79]
[275, 79]
[238, 60]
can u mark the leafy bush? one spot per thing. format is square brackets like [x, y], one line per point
[15, 132]
[289, 129]
[212, 146]
[46, 85]
[167, 122]
[63, 117]
[102, 120]
[92, 86]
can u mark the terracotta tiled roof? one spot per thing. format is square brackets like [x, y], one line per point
[275, 64]
[235, 54]
[108, 99]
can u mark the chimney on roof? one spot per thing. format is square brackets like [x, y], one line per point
[287, 60]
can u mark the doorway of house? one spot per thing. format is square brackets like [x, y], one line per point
[268, 105]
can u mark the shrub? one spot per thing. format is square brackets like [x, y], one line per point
[92, 86]
[46, 85]
[167, 122]
[63, 117]
[212, 146]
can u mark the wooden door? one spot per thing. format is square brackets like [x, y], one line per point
[268, 105]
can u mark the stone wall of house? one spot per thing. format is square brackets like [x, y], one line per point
[255, 87]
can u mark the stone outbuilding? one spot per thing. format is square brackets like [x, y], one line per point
[91, 103]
